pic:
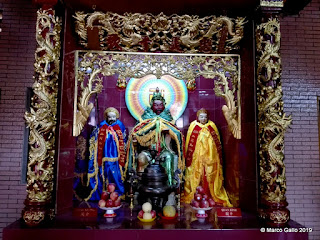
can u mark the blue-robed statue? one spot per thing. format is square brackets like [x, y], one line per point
[107, 155]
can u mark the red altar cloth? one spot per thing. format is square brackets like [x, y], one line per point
[126, 226]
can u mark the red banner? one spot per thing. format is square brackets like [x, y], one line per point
[121, 153]
[101, 141]
[192, 144]
[85, 212]
[216, 141]
[136, 129]
[228, 212]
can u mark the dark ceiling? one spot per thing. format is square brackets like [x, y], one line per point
[191, 7]
[168, 7]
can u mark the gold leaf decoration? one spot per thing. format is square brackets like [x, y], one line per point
[137, 32]
[42, 116]
[273, 122]
[223, 69]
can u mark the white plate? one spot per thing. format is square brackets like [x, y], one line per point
[110, 208]
[203, 209]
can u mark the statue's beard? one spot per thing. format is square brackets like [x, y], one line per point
[157, 111]
[111, 121]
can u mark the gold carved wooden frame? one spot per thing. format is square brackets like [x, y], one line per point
[136, 32]
[223, 68]
[42, 119]
[272, 124]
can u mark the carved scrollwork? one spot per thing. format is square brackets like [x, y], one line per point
[42, 116]
[227, 85]
[33, 218]
[273, 122]
[146, 32]
[90, 81]
[279, 217]
[223, 69]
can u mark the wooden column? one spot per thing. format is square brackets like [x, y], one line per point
[42, 118]
[272, 121]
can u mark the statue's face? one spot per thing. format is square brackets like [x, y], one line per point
[203, 118]
[157, 107]
[111, 117]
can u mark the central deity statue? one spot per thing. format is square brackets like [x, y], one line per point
[155, 131]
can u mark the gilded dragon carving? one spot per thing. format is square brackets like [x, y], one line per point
[90, 81]
[280, 217]
[224, 70]
[273, 122]
[42, 116]
[232, 109]
[149, 33]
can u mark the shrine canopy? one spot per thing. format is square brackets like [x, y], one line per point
[206, 7]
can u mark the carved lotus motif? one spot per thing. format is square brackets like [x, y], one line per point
[161, 24]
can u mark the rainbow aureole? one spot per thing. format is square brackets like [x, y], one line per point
[139, 93]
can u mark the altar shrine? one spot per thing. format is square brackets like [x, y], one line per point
[158, 105]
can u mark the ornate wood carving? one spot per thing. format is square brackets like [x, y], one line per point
[148, 33]
[272, 123]
[223, 69]
[42, 120]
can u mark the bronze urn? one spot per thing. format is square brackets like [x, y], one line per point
[154, 185]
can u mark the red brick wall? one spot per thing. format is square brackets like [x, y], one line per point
[17, 47]
[300, 50]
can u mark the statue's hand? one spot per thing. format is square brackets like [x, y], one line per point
[176, 177]
[134, 139]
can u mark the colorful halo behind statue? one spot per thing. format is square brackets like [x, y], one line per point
[139, 92]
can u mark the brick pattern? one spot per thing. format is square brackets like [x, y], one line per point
[301, 85]
[300, 45]
[17, 47]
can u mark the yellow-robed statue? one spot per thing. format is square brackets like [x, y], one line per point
[204, 161]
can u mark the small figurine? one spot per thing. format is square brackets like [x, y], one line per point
[204, 161]
[107, 155]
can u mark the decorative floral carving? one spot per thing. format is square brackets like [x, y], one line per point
[42, 116]
[191, 84]
[224, 70]
[121, 83]
[146, 32]
[34, 218]
[272, 120]
[89, 79]
[279, 217]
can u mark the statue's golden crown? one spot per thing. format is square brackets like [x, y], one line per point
[157, 96]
